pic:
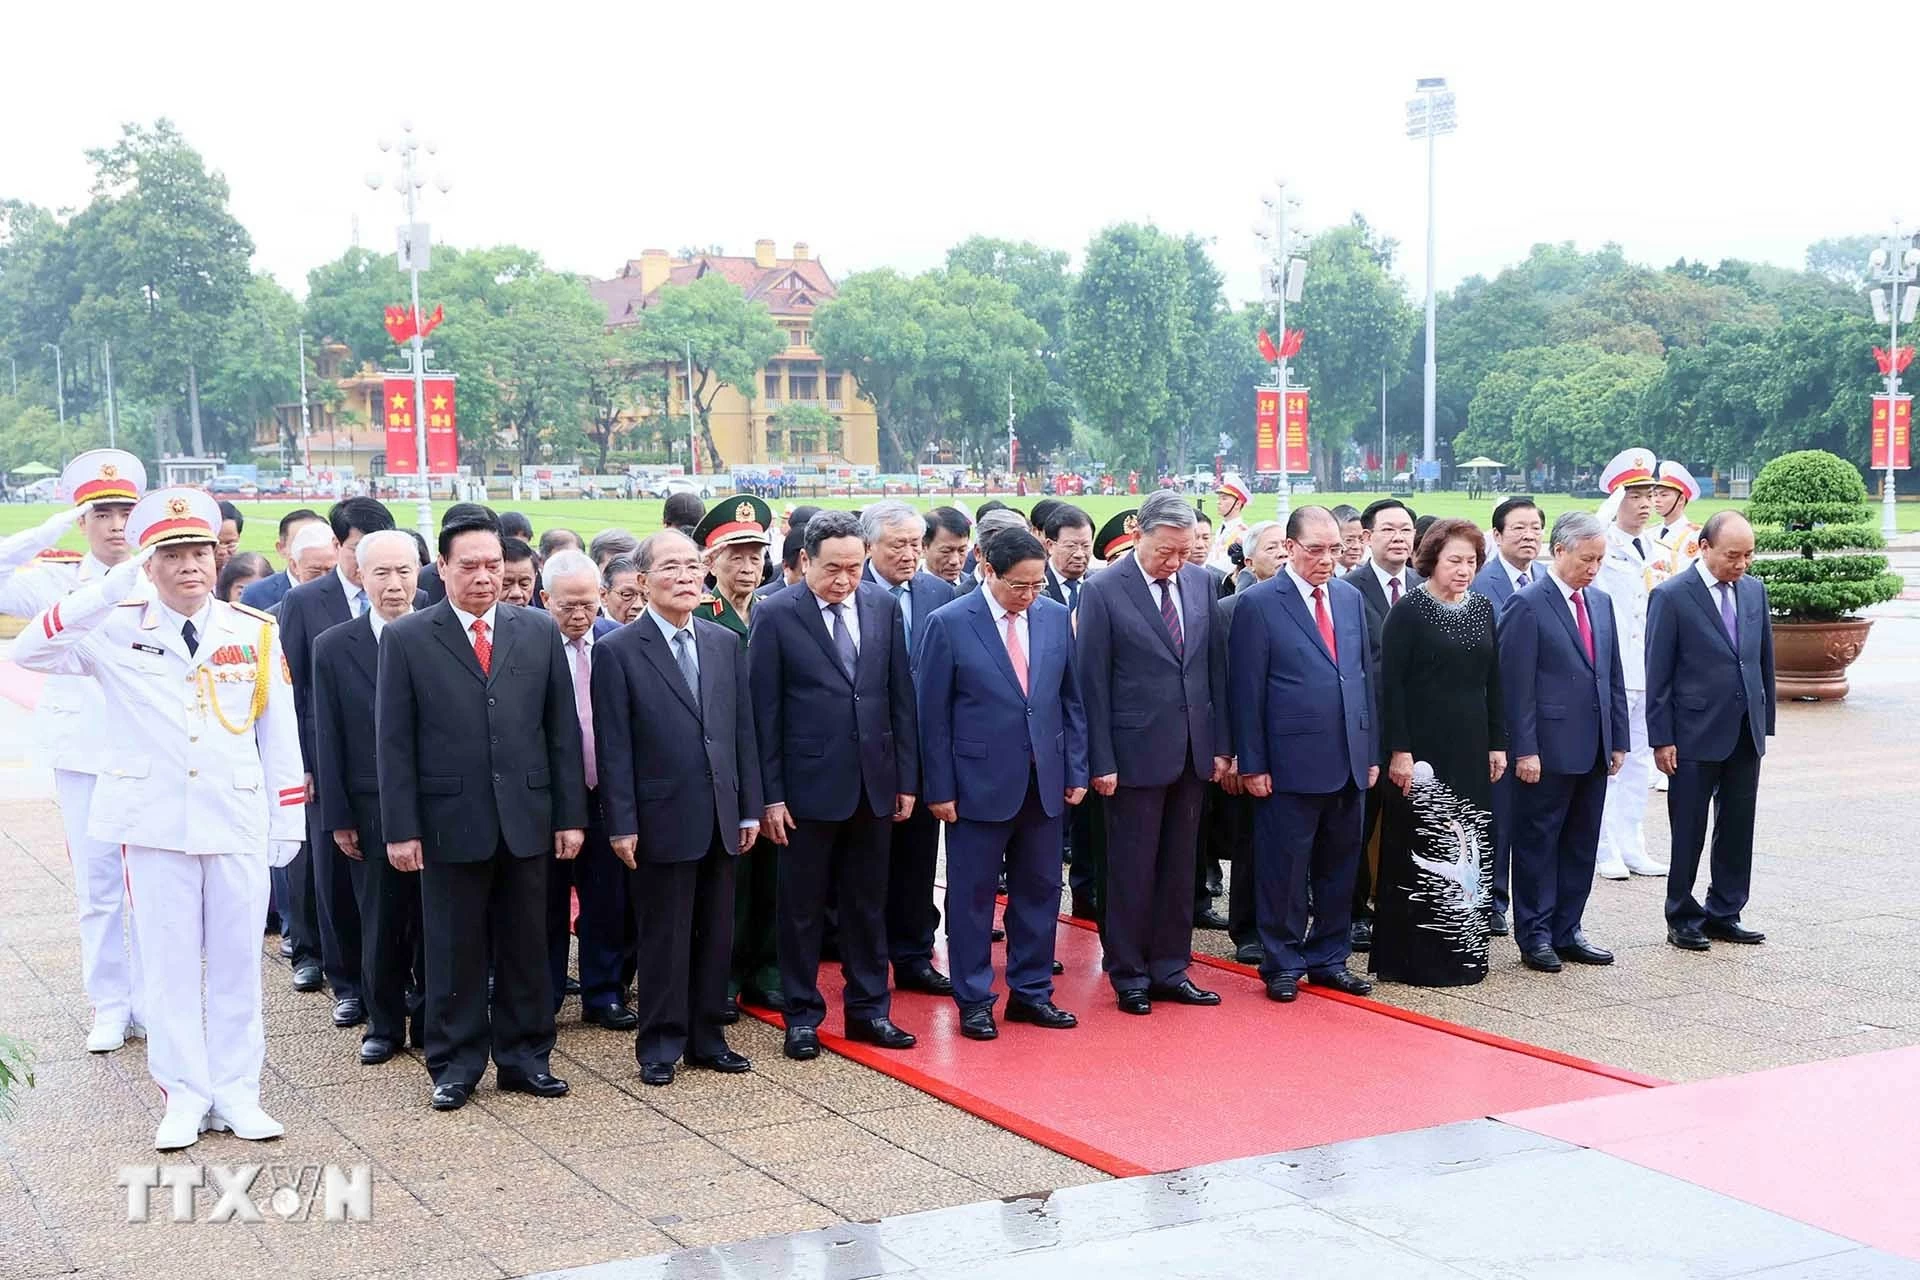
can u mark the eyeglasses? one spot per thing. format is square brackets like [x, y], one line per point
[1024, 588]
[587, 607]
[1318, 550]
[673, 568]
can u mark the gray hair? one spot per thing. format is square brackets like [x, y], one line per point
[1252, 536]
[612, 542]
[370, 543]
[1574, 527]
[566, 564]
[832, 523]
[648, 548]
[1165, 509]
[995, 522]
[882, 516]
[311, 536]
[615, 567]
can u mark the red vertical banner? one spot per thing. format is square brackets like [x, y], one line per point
[1266, 439]
[1892, 432]
[402, 452]
[1902, 432]
[1297, 461]
[443, 440]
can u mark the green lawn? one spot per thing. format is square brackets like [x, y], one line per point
[642, 516]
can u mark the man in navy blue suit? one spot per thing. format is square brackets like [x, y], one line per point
[1709, 714]
[1566, 704]
[272, 589]
[894, 533]
[1517, 526]
[840, 764]
[1302, 671]
[1003, 752]
[1152, 676]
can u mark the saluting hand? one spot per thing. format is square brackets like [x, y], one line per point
[776, 822]
[624, 848]
[567, 844]
[349, 841]
[405, 855]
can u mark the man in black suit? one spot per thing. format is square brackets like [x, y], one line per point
[459, 513]
[309, 609]
[480, 779]
[345, 666]
[894, 532]
[1710, 711]
[1152, 673]
[1229, 812]
[1068, 538]
[949, 533]
[571, 591]
[679, 776]
[1386, 529]
[840, 763]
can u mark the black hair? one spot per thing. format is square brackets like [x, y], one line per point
[513, 550]
[245, 564]
[682, 508]
[1012, 546]
[798, 517]
[294, 517]
[426, 553]
[1511, 505]
[830, 524]
[1345, 512]
[364, 514]
[553, 539]
[991, 504]
[790, 550]
[617, 566]
[451, 529]
[951, 519]
[1420, 526]
[1064, 517]
[1201, 517]
[514, 524]
[1037, 518]
[1375, 508]
[467, 511]
[1298, 517]
[230, 512]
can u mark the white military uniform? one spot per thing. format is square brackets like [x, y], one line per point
[1628, 576]
[203, 787]
[1233, 530]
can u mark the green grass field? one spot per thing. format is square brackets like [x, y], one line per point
[642, 516]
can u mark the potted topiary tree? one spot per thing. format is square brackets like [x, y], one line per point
[1819, 556]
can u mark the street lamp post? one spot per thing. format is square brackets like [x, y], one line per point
[306, 422]
[1429, 116]
[1894, 265]
[414, 251]
[60, 397]
[1284, 275]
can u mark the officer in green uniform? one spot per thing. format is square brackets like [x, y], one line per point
[733, 537]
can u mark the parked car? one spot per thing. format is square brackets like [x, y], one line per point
[233, 487]
[667, 486]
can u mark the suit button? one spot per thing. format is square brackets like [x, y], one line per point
[193, 773]
[489, 701]
[1030, 710]
[496, 777]
[856, 697]
[494, 741]
[708, 741]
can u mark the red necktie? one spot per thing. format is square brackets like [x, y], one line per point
[1325, 619]
[1393, 589]
[482, 647]
[1586, 628]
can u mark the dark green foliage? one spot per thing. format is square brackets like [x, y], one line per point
[1813, 501]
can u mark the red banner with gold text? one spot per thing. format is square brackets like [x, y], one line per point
[1266, 421]
[1892, 432]
[1296, 432]
[404, 418]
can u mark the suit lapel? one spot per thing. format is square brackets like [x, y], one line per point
[1134, 582]
[364, 648]
[506, 630]
[1294, 605]
[1194, 592]
[875, 639]
[446, 629]
[816, 622]
[1369, 584]
[661, 655]
[989, 633]
[1564, 611]
[333, 600]
[712, 650]
[1704, 598]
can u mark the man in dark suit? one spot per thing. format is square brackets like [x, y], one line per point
[839, 763]
[994, 670]
[1566, 704]
[1386, 527]
[459, 513]
[944, 548]
[1153, 678]
[571, 587]
[894, 532]
[1229, 810]
[269, 590]
[309, 609]
[1710, 711]
[1517, 528]
[480, 780]
[1304, 671]
[1069, 543]
[347, 791]
[679, 773]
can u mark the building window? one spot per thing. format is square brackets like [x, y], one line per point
[805, 386]
[773, 442]
[773, 385]
[833, 386]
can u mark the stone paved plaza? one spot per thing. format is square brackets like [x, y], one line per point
[512, 1185]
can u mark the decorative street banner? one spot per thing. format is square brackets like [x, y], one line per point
[1893, 420]
[1266, 438]
[403, 417]
[1297, 461]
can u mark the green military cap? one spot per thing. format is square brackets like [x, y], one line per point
[1118, 534]
[742, 518]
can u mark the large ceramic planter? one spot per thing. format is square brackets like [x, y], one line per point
[1810, 659]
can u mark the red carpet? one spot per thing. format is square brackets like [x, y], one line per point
[1189, 1086]
[1835, 1144]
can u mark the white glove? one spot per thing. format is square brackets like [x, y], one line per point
[123, 579]
[61, 521]
[282, 852]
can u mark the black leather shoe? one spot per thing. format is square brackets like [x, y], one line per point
[451, 1097]
[1081, 909]
[1045, 1014]
[729, 1012]
[1341, 980]
[349, 1012]
[656, 1073]
[923, 978]
[286, 947]
[726, 1062]
[1183, 992]
[539, 1084]
[1135, 1002]
[307, 977]
[1732, 931]
[1209, 919]
[1360, 935]
[1058, 968]
[375, 1050]
[1284, 989]
[1250, 953]
[1497, 924]
[614, 1017]
[1541, 960]
[977, 1024]
[880, 1032]
[1580, 951]
[803, 1044]
[1688, 939]
[763, 999]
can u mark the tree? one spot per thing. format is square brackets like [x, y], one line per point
[873, 329]
[809, 422]
[729, 338]
[621, 386]
[1130, 320]
[1043, 291]
[253, 365]
[1842, 259]
[530, 354]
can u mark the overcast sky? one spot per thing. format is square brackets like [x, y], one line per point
[881, 134]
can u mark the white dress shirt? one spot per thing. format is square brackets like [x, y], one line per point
[378, 623]
[1386, 579]
[1306, 590]
[669, 631]
[467, 620]
[1513, 573]
[1173, 589]
[850, 613]
[1713, 583]
[178, 621]
[353, 592]
[1000, 617]
[1566, 595]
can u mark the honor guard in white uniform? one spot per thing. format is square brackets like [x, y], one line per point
[1232, 527]
[201, 783]
[1636, 563]
[70, 727]
[1679, 535]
